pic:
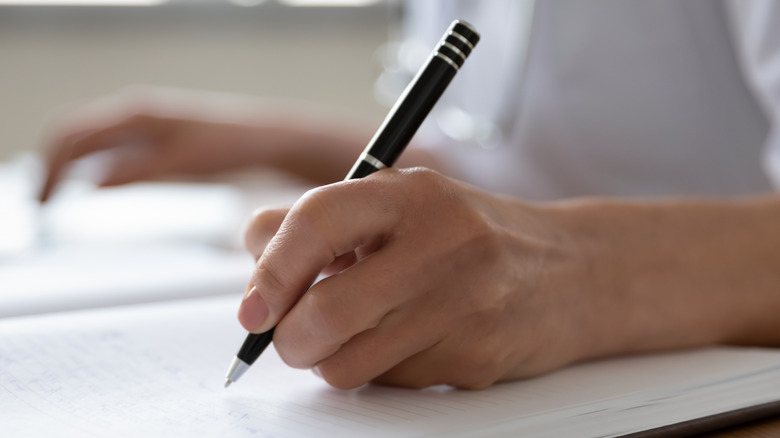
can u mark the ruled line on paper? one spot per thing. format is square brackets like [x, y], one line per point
[389, 404]
[326, 410]
[424, 400]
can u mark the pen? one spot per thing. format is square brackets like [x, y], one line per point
[401, 123]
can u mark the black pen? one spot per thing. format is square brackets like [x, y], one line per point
[391, 138]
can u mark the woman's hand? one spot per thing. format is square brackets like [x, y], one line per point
[155, 133]
[433, 283]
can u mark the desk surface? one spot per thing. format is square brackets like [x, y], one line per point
[768, 428]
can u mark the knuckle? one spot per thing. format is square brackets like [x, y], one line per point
[422, 175]
[313, 216]
[314, 207]
[270, 283]
[424, 181]
[262, 226]
[325, 321]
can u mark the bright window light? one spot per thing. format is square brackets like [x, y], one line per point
[82, 2]
[328, 2]
[247, 3]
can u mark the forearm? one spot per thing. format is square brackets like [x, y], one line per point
[681, 273]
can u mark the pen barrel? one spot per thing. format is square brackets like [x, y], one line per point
[254, 345]
[417, 100]
[411, 110]
[405, 118]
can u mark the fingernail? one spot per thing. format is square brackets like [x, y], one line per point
[248, 289]
[253, 311]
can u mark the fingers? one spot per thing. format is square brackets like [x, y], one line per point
[376, 322]
[424, 369]
[58, 155]
[337, 309]
[452, 362]
[261, 228]
[131, 163]
[324, 224]
[106, 135]
[377, 351]
[414, 346]
[340, 263]
[265, 223]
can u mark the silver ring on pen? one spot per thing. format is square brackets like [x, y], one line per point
[462, 38]
[447, 59]
[372, 160]
[454, 49]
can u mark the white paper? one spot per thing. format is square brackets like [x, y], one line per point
[73, 277]
[158, 370]
[153, 212]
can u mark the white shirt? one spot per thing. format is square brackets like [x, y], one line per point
[609, 97]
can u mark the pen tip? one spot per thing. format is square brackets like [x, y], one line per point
[227, 383]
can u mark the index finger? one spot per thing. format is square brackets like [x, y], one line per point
[73, 145]
[324, 224]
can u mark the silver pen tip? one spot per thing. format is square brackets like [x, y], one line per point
[237, 368]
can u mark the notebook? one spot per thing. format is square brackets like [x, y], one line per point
[157, 369]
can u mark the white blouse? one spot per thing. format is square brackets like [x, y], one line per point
[569, 98]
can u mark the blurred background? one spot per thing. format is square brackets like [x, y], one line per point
[54, 53]
[158, 241]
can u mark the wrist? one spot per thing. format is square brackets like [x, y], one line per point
[624, 259]
[674, 274]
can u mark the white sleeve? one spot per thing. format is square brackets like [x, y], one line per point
[756, 34]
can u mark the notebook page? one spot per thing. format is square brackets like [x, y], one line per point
[158, 370]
